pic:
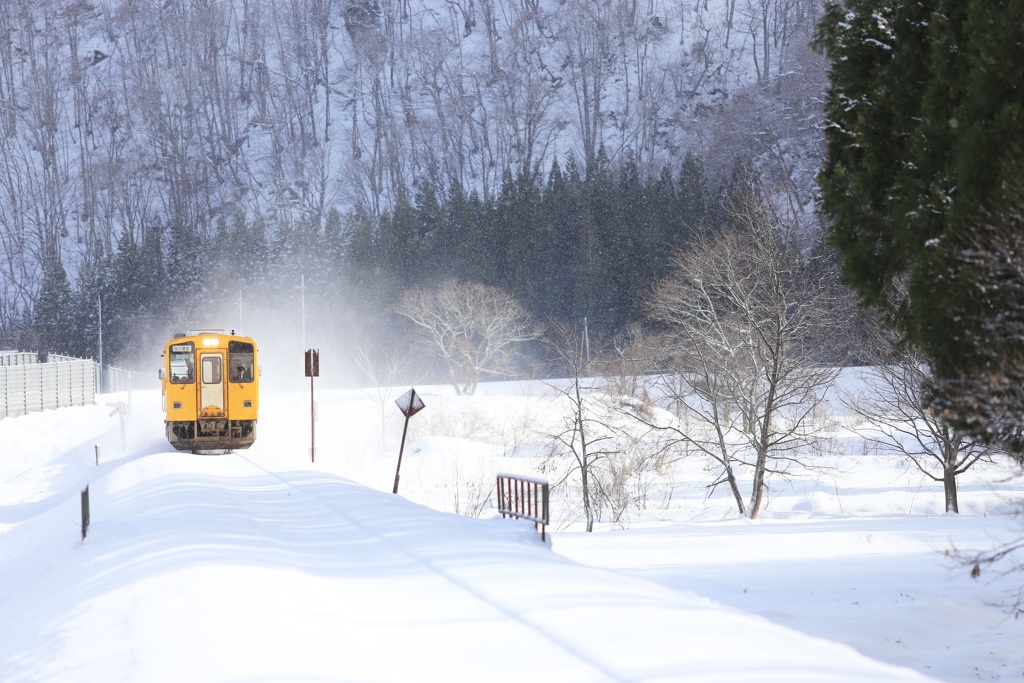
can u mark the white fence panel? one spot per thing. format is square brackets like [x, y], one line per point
[17, 358]
[120, 380]
[28, 386]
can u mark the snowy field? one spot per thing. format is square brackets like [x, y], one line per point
[263, 566]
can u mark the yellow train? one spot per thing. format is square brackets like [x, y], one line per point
[210, 391]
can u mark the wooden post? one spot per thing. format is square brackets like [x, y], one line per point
[85, 510]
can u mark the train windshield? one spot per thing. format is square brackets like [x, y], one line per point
[182, 363]
[241, 360]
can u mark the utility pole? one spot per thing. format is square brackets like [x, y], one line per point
[302, 290]
[99, 306]
[585, 345]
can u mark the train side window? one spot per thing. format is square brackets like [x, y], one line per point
[211, 370]
[241, 361]
[182, 363]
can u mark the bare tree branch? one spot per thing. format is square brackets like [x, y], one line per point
[748, 315]
[476, 329]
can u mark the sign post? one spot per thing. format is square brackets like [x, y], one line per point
[312, 370]
[410, 404]
[85, 511]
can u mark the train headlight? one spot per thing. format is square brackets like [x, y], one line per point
[211, 341]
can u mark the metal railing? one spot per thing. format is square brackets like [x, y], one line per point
[524, 498]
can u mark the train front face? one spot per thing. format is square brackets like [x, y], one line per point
[210, 392]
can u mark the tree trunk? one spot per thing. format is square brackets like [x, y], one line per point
[588, 509]
[762, 441]
[949, 486]
[731, 478]
[757, 490]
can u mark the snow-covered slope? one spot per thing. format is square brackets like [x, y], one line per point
[262, 566]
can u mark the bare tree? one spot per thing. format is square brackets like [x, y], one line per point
[476, 329]
[585, 43]
[585, 434]
[36, 166]
[777, 129]
[893, 402]
[749, 315]
[603, 449]
[302, 108]
[1002, 560]
[519, 87]
[773, 26]
[383, 369]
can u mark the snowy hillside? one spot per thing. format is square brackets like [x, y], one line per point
[123, 116]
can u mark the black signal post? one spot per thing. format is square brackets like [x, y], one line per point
[312, 370]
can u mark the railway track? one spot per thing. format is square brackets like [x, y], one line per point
[404, 545]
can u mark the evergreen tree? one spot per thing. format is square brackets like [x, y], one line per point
[583, 252]
[602, 195]
[255, 256]
[925, 131]
[133, 294]
[54, 314]
[516, 234]
[560, 269]
[367, 281]
[333, 301]
[153, 274]
[335, 243]
[461, 232]
[666, 223]
[436, 248]
[363, 259]
[399, 246]
[120, 295]
[185, 262]
[220, 255]
[694, 201]
[86, 308]
[633, 247]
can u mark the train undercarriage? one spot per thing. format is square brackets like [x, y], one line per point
[217, 435]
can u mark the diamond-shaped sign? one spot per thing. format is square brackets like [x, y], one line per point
[409, 403]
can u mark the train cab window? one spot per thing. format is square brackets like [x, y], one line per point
[212, 370]
[182, 363]
[241, 361]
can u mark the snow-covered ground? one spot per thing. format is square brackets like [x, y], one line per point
[265, 566]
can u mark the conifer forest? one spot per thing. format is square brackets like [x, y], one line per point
[163, 157]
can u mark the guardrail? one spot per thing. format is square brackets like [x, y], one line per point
[524, 498]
